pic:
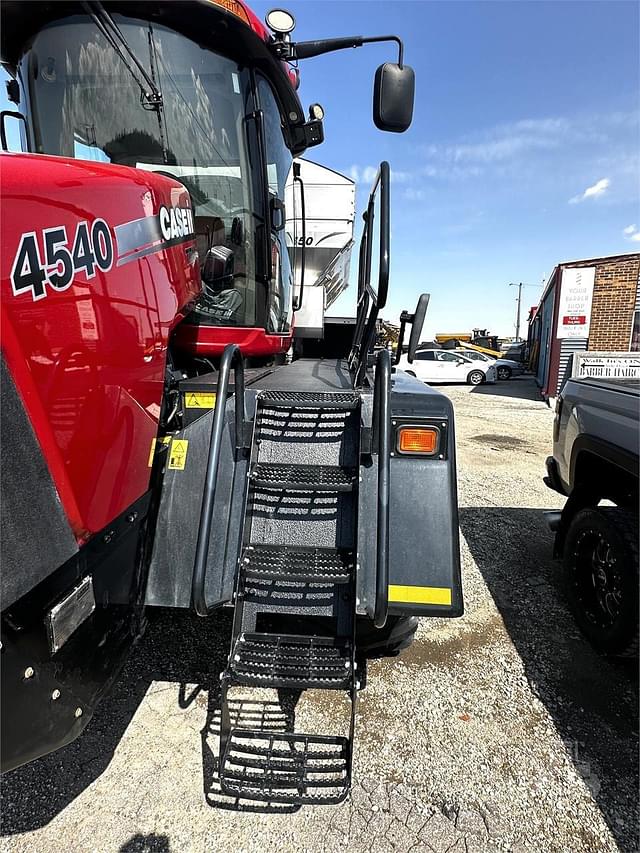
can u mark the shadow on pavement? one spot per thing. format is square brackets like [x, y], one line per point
[592, 700]
[177, 647]
[520, 387]
[147, 844]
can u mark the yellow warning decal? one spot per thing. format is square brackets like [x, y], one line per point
[199, 400]
[420, 594]
[164, 440]
[178, 454]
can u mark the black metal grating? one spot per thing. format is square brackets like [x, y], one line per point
[345, 401]
[285, 660]
[304, 478]
[284, 767]
[310, 565]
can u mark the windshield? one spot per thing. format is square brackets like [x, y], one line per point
[85, 103]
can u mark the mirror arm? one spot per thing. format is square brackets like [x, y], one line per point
[306, 49]
[404, 319]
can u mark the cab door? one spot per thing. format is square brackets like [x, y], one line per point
[279, 164]
[450, 367]
[424, 366]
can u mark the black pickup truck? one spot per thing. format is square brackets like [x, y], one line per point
[596, 437]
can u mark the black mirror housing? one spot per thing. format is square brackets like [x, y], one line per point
[417, 322]
[393, 95]
[306, 135]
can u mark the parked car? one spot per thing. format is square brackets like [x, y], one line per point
[595, 463]
[439, 365]
[505, 367]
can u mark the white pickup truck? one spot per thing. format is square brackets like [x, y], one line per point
[596, 438]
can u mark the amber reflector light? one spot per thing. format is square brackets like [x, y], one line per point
[417, 439]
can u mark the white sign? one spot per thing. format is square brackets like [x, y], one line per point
[576, 295]
[607, 365]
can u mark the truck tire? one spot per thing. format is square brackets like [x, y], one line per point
[476, 377]
[397, 634]
[504, 373]
[600, 564]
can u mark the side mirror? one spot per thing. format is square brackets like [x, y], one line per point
[278, 215]
[417, 322]
[393, 94]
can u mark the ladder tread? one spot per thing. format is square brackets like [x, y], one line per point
[340, 400]
[305, 564]
[286, 767]
[303, 478]
[293, 661]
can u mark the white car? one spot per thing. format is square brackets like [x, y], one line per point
[505, 367]
[439, 365]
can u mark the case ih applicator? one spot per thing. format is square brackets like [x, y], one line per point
[157, 449]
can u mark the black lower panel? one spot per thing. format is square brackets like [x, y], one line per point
[48, 698]
[30, 509]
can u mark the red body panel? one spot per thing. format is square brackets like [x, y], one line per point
[211, 340]
[89, 360]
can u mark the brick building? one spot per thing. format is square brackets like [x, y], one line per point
[593, 304]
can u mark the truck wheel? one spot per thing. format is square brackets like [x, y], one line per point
[601, 576]
[397, 634]
[476, 377]
[504, 373]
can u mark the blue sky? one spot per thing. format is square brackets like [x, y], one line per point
[523, 150]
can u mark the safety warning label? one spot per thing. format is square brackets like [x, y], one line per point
[178, 454]
[200, 400]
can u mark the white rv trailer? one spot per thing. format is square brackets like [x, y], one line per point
[329, 204]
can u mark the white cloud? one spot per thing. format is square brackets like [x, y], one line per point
[367, 174]
[599, 188]
[503, 142]
[631, 233]
[413, 194]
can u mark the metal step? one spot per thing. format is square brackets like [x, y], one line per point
[287, 660]
[342, 401]
[288, 563]
[303, 478]
[285, 768]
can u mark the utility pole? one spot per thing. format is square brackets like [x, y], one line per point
[519, 286]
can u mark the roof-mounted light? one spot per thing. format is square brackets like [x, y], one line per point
[234, 8]
[280, 22]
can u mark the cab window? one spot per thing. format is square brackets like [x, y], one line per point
[279, 178]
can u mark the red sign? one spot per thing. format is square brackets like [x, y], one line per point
[574, 321]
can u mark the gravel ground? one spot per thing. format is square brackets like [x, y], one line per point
[500, 731]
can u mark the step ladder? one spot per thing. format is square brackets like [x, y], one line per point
[297, 563]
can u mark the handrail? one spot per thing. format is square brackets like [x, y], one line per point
[297, 179]
[231, 357]
[370, 306]
[382, 438]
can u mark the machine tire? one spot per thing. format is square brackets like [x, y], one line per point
[476, 377]
[600, 563]
[397, 634]
[504, 373]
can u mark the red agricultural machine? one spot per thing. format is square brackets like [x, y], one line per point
[157, 451]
